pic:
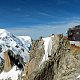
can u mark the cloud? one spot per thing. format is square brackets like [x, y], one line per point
[44, 30]
[45, 14]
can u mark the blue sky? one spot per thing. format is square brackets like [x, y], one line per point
[39, 17]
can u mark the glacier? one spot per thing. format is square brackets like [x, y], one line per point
[20, 45]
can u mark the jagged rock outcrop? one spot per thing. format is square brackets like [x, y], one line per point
[35, 58]
[37, 53]
[50, 70]
[7, 64]
[63, 63]
[10, 59]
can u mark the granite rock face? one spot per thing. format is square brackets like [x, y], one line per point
[7, 65]
[36, 55]
[63, 63]
[51, 68]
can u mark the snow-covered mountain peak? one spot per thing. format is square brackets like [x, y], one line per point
[18, 44]
[2, 30]
[3, 33]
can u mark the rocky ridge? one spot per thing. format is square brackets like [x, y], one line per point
[63, 63]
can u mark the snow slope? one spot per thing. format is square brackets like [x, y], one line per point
[26, 40]
[47, 48]
[19, 45]
[13, 74]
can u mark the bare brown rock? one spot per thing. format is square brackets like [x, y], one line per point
[7, 65]
[63, 64]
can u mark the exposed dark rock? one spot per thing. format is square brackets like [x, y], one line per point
[11, 59]
[1, 65]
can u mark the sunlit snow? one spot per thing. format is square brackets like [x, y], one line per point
[19, 45]
[13, 74]
[47, 48]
